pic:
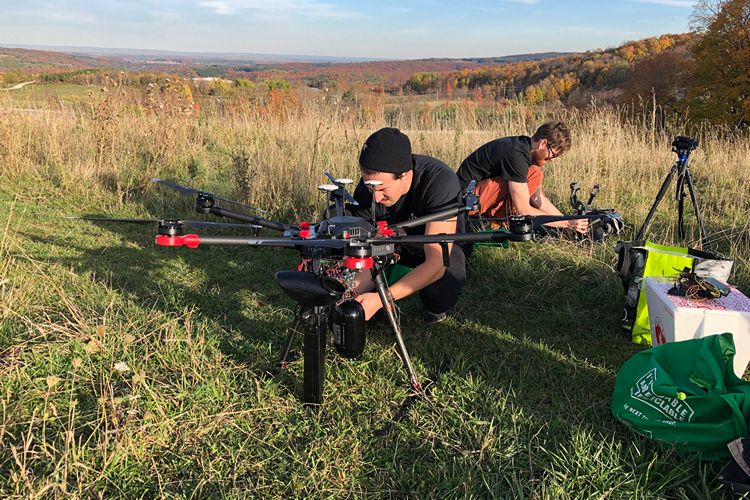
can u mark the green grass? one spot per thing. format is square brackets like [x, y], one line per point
[129, 370]
[38, 94]
[523, 412]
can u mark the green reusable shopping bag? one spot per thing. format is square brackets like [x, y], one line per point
[686, 395]
[394, 272]
[503, 244]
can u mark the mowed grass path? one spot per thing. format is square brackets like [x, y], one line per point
[34, 95]
[130, 370]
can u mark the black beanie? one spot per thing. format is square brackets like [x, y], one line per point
[387, 150]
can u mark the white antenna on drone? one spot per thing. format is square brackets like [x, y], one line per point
[373, 204]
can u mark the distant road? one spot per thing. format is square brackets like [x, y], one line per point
[20, 85]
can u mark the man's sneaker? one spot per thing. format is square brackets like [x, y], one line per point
[431, 317]
[377, 318]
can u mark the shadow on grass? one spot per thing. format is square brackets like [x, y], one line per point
[534, 343]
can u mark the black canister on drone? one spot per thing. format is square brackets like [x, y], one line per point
[349, 328]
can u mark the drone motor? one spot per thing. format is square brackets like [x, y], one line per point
[204, 203]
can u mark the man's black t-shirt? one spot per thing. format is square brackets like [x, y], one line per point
[434, 187]
[508, 157]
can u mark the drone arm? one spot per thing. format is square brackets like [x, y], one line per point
[494, 236]
[193, 240]
[442, 215]
[278, 226]
[437, 258]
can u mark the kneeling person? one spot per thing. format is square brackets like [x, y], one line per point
[412, 186]
[509, 175]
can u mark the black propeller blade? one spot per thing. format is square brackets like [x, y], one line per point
[192, 223]
[348, 197]
[191, 192]
[542, 219]
[290, 242]
[129, 221]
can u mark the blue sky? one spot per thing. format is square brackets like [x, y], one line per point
[388, 29]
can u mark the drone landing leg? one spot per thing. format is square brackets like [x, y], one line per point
[389, 308]
[409, 401]
[316, 324]
[283, 361]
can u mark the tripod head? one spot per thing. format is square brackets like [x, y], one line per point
[683, 145]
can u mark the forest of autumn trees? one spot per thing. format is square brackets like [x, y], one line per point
[557, 78]
[702, 75]
[720, 88]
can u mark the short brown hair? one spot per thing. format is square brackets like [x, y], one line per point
[556, 133]
[367, 171]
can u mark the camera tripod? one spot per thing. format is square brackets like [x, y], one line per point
[683, 146]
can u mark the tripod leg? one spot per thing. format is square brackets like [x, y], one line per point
[662, 192]
[389, 309]
[704, 237]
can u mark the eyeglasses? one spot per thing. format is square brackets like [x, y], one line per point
[551, 152]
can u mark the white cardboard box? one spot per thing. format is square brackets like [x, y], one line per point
[674, 318]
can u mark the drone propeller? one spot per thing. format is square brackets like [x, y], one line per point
[342, 183]
[287, 242]
[542, 219]
[129, 221]
[186, 191]
[192, 223]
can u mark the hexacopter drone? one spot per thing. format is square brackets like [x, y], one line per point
[331, 253]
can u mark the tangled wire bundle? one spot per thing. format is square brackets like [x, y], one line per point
[694, 287]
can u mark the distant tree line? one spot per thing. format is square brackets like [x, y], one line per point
[701, 75]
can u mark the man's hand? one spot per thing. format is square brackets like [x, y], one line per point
[371, 303]
[578, 225]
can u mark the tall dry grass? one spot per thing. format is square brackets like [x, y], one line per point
[272, 154]
[71, 413]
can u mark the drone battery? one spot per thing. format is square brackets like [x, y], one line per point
[349, 329]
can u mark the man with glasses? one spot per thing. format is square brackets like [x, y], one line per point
[509, 177]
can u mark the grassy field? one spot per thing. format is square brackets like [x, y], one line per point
[39, 95]
[129, 370]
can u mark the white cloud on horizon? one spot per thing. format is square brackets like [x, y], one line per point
[600, 31]
[277, 8]
[672, 3]
[221, 8]
[69, 16]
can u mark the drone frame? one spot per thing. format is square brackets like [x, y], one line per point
[352, 243]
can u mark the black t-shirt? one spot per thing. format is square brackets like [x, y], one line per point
[508, 157]
[434, 187]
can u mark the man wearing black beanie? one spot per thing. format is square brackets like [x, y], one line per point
[412, 186]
